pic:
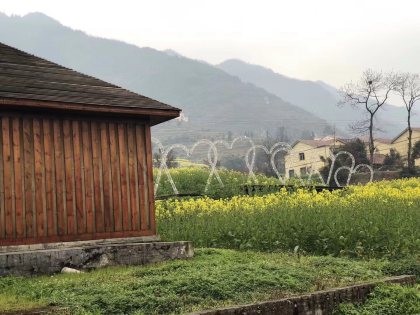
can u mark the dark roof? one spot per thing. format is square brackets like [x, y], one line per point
[365, 139]
[315, 143]
[383, 140]
[27, 77]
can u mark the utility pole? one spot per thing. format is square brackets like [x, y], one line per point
[334, 137]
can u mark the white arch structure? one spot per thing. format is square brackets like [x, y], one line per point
[275, 149]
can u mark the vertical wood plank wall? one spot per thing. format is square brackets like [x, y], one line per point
[67, 180]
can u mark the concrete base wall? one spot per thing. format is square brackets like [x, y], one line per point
[25, 248]
[90, 256]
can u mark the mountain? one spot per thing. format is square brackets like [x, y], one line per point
[211, 99]
[316, 97]
[306, 94]
[173, 53]
[330, 89]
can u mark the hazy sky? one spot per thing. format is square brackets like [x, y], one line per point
[333, 41]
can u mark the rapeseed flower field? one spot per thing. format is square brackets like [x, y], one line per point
[380, 219]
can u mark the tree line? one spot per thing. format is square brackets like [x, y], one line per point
[371, 92]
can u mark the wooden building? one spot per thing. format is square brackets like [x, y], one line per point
[75, 154]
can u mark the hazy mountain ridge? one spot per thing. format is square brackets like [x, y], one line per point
[292, 90]
[209, 96]
[317, 97]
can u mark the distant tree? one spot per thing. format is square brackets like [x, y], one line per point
[357, 148]
[408, 88]
[170, 159]
[282, 135]
[325, 171]
[263, 160]
[234, 162]
[369, 93]
[416, 150]
[157, 157]
[218, 163]
[229, 135]
[412, 171]
[307, 135]
[393, 160]
[328, 130]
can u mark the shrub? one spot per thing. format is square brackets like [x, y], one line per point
[385, 299]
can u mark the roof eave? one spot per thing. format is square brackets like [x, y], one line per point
[156, 115]
[399, 135]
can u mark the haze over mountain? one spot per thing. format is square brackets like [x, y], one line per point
[316, 97]
[210, 98]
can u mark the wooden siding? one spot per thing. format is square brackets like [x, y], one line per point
[67, 180]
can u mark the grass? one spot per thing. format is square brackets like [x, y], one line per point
[13, 303]
[386, 299]
[214, 278]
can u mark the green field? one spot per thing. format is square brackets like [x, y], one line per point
[267, 245]
[380, 219]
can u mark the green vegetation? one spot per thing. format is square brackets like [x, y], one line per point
[194, 180]
[386, 299]
[213, 278]
[11, 303]
[377, 220]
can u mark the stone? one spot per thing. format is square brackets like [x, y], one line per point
[70, 270]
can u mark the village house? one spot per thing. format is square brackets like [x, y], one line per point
[307, 156]
[382, 147]
[308, 152]
[400, 143]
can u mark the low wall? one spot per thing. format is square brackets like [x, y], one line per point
[364, 178]
[49, 310]
[85, 257]
[317, 303]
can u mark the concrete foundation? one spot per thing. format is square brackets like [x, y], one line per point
[51, 258]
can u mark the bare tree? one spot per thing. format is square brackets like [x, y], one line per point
[369, 93]
[408, 87]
